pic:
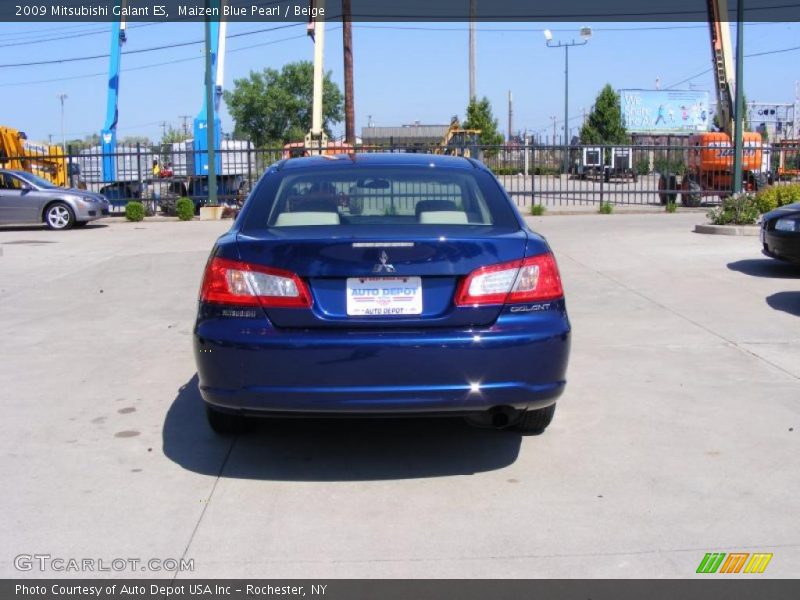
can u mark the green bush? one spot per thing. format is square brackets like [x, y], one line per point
[739, 209]
[671, 206]
[777, 195]
[666, 165]
[537, 210]
[134, 211]
[606, 208]
[642, 166]
[184, 208]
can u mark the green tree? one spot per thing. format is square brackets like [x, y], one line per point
[87, 142]
[479, 116]
[275, 106]
[604, 124]
[174, 135]
[132, 140]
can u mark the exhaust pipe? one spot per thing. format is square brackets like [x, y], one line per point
[502, 416]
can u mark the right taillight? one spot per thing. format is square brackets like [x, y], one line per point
[238, 283]
[532, 279]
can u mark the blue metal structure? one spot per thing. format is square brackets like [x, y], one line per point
[218, 32]
[108, 137]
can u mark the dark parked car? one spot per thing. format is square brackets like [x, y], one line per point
[381, 284]
[780, 233]
[26, 198]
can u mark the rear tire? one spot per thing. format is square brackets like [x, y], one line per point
[59, 216]
[224, 423]
[693, 194]
[667, 184]
[536, 421]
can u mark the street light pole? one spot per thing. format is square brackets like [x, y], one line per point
[63, 97]
[585, 33]
[566, 103]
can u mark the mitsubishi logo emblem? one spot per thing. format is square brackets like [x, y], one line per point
[383, 265]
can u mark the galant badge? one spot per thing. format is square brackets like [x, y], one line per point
[383, 265]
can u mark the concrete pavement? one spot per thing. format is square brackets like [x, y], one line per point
[677, 436]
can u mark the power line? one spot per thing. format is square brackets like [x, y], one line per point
[751, 55]
[45, 40]
[143, 50]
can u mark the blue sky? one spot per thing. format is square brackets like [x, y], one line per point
[403, 72]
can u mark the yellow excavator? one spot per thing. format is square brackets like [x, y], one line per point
[458, 141]
[46, 161]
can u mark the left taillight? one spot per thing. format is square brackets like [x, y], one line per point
[532, 279]
[238, 283]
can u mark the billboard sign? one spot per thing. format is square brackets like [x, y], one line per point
[665, 111]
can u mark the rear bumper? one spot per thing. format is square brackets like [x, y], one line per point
[519, 362]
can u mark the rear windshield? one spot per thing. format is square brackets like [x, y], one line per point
[393, 196]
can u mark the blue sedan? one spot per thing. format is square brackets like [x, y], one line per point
[381, 285]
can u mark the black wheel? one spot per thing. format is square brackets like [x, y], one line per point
[225, 423]
[536, 421]
[667, 184]
[59, 216]
[692, 193]
[79, 224]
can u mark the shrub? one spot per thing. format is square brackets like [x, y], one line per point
[777, 195]
[184, 208]
[739, 209]
[606, 208]
[671, 206]
[642, 166]
[134, 211]
[537, 210]
[673, 164]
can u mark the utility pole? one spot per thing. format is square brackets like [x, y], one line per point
[49, 139]
[349, 101]
[510, 115]
[61, 98]
[553, 118]
[472, 41]
[185, 119]
[163, 130]
[739, 103]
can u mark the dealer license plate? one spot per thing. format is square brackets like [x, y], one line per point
[378, 296]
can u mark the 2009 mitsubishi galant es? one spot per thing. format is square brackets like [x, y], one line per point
[381, 285]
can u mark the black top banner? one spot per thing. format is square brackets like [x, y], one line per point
[389, 10]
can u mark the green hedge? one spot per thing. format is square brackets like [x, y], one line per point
[777, 195]
[184, 208]
[134, 211]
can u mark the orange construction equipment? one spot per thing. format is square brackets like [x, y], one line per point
[711, 155]
[788, 158]
[298, 149]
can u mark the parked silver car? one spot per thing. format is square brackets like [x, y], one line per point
[26, 198]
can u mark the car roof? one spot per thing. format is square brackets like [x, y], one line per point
[381, 159]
